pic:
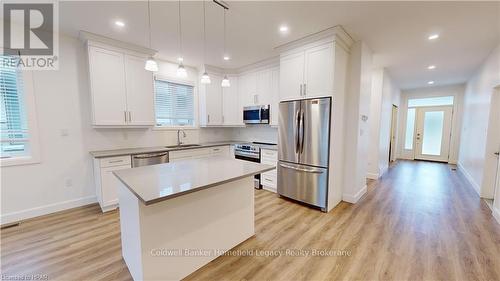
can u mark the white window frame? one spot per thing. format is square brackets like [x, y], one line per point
[33, 137]
[195, 125]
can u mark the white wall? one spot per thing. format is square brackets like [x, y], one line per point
[384, 94]
[476, 158]
[64, 178]
[357, 104]
[457, 91]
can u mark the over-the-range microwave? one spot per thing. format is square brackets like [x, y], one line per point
[257, 114]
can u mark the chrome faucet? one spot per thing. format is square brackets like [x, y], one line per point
[179, 142]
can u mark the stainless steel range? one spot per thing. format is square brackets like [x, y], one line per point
[249, 152]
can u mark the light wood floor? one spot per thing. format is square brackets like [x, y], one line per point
[420, 222]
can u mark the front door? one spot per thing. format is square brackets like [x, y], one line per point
[433, 131]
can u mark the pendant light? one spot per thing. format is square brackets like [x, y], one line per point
[181, 71]
[225, 82]
[205, 79]
[151, 64]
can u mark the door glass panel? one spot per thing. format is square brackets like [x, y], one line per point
[436, 101]
[410, 128]
[433, 132]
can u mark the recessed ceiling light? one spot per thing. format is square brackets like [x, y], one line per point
[431, 67]
[181, 59]
[430, 82]
[283, 29]
[433, 36]
[226, 58]
[119, 23]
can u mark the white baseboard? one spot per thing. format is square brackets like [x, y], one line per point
[373, 176]
[496, 214]
[469, 178]
[354, 198]
[44, 210]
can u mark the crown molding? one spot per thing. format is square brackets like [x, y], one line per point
[86, 36]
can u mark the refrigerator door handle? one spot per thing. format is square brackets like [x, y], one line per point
[301, 131]
[315, 171]
[297, 124]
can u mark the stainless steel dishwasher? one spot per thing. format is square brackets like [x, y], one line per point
[147, 159]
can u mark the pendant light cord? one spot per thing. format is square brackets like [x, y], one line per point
[204, 35]
[224, 32]
[149, 18]
[180, 30]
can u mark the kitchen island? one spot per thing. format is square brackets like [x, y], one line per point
[177, 217]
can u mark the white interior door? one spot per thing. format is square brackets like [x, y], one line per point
[433, 132]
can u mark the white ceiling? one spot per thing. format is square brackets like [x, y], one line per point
[395, 31]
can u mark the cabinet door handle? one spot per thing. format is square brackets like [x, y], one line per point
[208, 118]
[130, 116]
[115, 161]
[125, 114]
[305, 89]
[301, 89]
[222, 118]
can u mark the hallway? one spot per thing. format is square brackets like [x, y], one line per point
[421, 221]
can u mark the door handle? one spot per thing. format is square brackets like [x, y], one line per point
[130, 116]
[497, 153]
[305, 89]
[314, 171]
[301, 131]
[125, 115]
[301, 86]
[297, 127]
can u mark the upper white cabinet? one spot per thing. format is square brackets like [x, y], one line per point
[107, 81]
[140, 93]
[121, 89]
[307, 72]
[224, 106]
[275, 99]
[213, 93]
[231, 111]
[291, 75]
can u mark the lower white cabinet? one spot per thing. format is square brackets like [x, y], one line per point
[106, 182]
[199, 153]
[269, 179]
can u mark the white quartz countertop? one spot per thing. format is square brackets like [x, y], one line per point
[139, 150]
[156, 183]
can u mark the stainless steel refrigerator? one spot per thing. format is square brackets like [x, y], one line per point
[303, 150]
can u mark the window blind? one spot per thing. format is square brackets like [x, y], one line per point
[174, 104]
[13, 121]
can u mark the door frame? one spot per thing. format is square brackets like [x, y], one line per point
[393, 133]
[446, 137]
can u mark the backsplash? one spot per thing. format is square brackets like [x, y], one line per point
[260, 133]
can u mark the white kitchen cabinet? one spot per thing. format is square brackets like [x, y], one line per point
[307, 72]
[275, 99]
[269, 179]
[211, 102]
[231, 112]
[107, 82]
[318, 76]
[248, 89]
[106, 182]
[291, 76]
[140, 93]
[263, 86]
[121, 89]
[177, 155]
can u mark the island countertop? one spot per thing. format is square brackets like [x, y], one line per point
[156, 183]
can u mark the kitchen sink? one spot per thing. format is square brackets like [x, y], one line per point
[182, 145]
